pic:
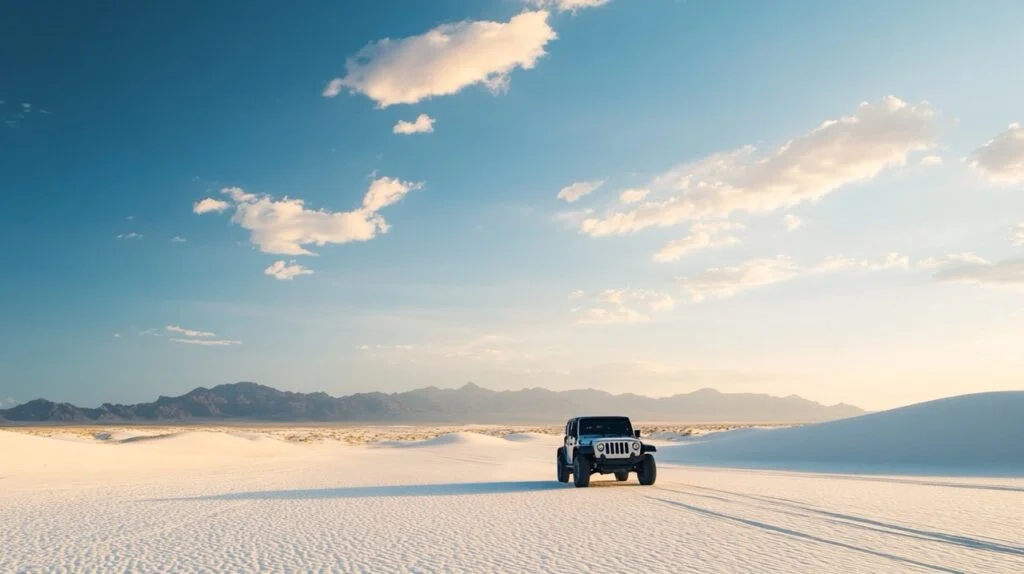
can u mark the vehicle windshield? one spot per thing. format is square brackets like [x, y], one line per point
[605, 427]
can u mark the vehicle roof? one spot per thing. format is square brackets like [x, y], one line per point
[599, 417]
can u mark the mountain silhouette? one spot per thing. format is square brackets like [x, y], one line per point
[469, 403]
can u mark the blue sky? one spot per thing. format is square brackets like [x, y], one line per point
[650, 196]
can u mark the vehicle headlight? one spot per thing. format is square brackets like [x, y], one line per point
[600, 447]
[636, 446]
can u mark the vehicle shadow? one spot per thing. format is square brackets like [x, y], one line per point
[398, 490]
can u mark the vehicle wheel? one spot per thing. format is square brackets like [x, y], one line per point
[621, 475]
[563, 471]
[647, 472]
[580, 471]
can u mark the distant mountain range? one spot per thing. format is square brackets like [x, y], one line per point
[469, 403]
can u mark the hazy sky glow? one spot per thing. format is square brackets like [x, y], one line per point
[819, 198]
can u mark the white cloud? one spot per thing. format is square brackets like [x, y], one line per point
[569, 5]
[178, 239]
[423, 124]
[149, 333]
[633, 195]
[724, 282]
[612, 306]
[931, 160]
[837, 153]
[793, 222]
[985, 273]
[209, 205]
[132, 235]
[483, 348]
[838, 263]
[333, 88]
[603, 316]
[284, 226]
[117, 335]
[286, 271]
[238, 195]
[953, 258]
[207, 342]
[1017, 234]
[188, 332]
[654, 300]
[893, 261]
[10, 401]
[702, 236]
[1001, 159]
[385, 191]
[575, 191]
[445, 60]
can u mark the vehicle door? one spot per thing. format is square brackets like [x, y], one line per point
[571, 441]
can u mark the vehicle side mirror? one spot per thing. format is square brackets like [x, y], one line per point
[636, 433]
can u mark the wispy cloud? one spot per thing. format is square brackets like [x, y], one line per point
[188, 332]
[725, 282]
[286, 271]
[793, 222]
[207, 342]
[13, 114]
[702, 236]
[486, 348]
[952, 259]
[209, 205]
[620, 306]
[568, 5]
[195, 337]
[838, 152]
[633, 195]
[1001, 159]
[1007, 274]
[573, 192]
[445, 60]
[132, 235]
[178, 239]
[423, 124]
[1017, 234]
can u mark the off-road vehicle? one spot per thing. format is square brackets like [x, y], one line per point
[604, 445]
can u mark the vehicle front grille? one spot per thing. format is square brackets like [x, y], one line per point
[616, 448]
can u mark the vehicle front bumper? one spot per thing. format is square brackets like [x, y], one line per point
[601, 463]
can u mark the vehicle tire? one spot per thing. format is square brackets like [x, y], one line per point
[563, 471]
[622, 475]
[647, 472]
[580, 471]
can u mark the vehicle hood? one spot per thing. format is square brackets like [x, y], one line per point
[590, 441]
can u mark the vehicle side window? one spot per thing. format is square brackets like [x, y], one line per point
[572, 428]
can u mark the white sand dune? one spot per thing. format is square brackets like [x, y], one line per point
[529, 437]
[448, 439]
[979, 434]
[218, 502]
